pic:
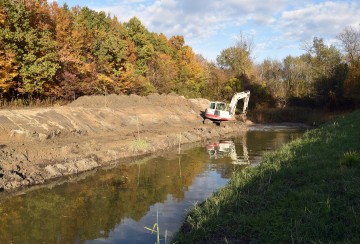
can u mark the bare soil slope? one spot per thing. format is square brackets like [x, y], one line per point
[46, 143]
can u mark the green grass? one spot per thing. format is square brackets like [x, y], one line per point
[139, 145]
[350, 159]
[307, 191]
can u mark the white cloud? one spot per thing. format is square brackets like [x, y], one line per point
[323, 20]
[196, 18]
[278, 24]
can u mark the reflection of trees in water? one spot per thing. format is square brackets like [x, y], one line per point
[91, 208]
[260, 141]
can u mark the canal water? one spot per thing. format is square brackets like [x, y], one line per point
[118, 204]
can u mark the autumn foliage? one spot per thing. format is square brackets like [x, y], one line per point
[52, 51]
[48, 50]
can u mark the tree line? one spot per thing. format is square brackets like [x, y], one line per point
[47, 50]
[324, 76]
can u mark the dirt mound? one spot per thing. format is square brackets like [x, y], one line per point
[45, 143]
[124, 101]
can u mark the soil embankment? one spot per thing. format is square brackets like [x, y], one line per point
[46, 143]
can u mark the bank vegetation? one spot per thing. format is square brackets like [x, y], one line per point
[306, 192]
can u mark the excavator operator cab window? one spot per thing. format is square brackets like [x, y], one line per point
[220, 106]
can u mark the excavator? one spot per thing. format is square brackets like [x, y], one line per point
[220, 111]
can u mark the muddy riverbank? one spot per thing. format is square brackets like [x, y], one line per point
[40, 144]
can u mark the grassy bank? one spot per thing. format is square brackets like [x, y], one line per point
[308, 191]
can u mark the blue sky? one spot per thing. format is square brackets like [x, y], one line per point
[278, 28]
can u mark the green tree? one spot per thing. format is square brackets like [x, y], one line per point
[160, 43]
[350, 40]
[143, 46]
[271, 72]
[297, 77]
[111, 57]
[328, 72]
[176, 44]
[28, 34]
[213, 80]
[238, 57]
[191, 76]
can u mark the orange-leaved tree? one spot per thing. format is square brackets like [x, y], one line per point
[8, 67]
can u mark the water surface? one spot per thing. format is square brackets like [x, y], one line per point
[115, 205]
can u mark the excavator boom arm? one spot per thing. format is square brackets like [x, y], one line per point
[241, 95]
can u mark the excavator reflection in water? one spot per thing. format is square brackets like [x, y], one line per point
[226, 148]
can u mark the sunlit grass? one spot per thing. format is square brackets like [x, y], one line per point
[139, 145]
[307, 191]
[350, 159]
